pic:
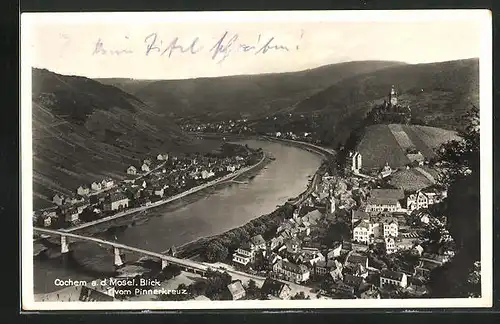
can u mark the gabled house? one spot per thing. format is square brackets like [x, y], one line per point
[258, 242]
[107, 183]
[71, 215]
[83, 190]
[274, 243]
[276, 289]
[159, 191]
[235, 290]
[384, 200]
[353, 281]
[245, 254]
[324, 267]
[132, 170]
[96, 186]
[355, 259]
[145, 167]
[393, 278]
[291, 272]
[58, 199]
[115, 201]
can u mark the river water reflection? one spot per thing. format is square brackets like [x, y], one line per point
[209, 213]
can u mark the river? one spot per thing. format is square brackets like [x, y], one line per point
[210, 212]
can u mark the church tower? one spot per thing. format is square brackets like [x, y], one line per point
[393, 99]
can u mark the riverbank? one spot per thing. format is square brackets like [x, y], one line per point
[173, 198]
[193, 249]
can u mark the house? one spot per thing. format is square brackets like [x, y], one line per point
[276, 289]
[386, 171]
[258, 242]
[159, 191]
[48, 217]
[236, 290]
[245, 254]
[58, 199]
[324, 267]
[353, 281]
[73, 200]
[341, 289]
[230, 168]
[132, 170]
[147, 162]
[359, 215]
[83, 190]
[293, 245]
[335, 251]
[207, 174]
[96, 186]
[145, 167]
[162, 157]
[384, 200]
[107, 183]
[275, 242]
[389, 225]
[418, 250]
[115, 201]
[272, 258]
[71, 215]
[362, 233]
[291, 272]
[424, 218]
[353, 162]
[417, 201]
[355, 259]
[80, 207]
[393, 278]
[370, 293]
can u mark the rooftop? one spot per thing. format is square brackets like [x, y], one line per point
[235, 288]
[394, 275]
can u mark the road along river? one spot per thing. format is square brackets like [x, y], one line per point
[208, 212]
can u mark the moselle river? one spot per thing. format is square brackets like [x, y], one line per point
[207, 213]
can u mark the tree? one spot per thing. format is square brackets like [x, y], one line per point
[252, 291]
[216, 251]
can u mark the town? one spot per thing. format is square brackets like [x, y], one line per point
[153, 182]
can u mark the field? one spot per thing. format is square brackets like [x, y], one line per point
[410, 180]
[388, 143]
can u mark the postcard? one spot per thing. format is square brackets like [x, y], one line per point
[256, 160]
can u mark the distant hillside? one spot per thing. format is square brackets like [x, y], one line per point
[241, 96]
[84, 130]
[438, 95]
[382, 144]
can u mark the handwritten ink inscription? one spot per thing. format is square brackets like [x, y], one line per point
[219, 50]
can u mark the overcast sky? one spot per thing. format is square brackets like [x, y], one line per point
[82, 44]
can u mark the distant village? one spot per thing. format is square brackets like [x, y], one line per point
[388, 241]
[151, 182]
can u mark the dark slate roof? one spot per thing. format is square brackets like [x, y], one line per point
[294, 267]
[357, 259]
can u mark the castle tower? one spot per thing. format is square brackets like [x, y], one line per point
[393, 99]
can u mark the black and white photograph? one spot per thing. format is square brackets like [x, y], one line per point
[254, 160]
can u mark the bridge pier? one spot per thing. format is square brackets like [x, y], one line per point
[118, 257]
[64, 244]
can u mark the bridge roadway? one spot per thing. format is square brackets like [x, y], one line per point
[184, 263]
